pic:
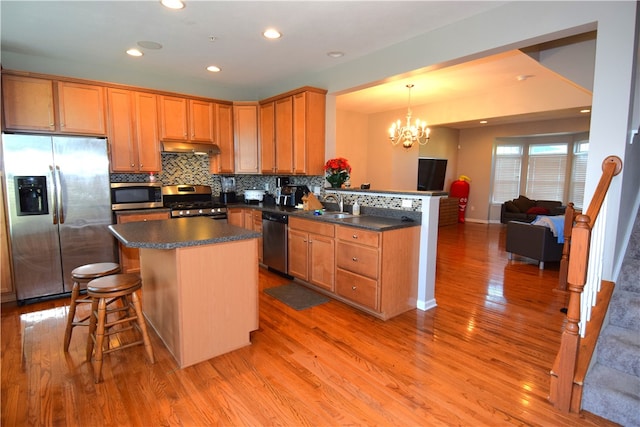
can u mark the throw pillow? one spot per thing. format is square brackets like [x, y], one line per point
[537, 210]
[511, 207]
[524, 204]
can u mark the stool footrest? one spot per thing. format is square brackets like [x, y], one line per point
[124, 287]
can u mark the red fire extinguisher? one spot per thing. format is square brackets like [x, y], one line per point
[460, 189]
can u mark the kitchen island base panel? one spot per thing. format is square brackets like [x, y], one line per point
[202, 300]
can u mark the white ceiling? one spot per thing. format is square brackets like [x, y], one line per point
[97, 33]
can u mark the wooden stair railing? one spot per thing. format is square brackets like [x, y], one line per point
[562, 391]
[570, 215]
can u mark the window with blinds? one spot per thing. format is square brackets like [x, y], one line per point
[540, 171]
[546, 174]
[507, 167]
[579, 173]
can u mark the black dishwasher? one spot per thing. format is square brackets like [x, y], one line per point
[274, 241]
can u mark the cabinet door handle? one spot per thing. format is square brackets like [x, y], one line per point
[355, 236]
[353, 288]
[354, 259]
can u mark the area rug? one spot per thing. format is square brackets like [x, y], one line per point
[296, 296]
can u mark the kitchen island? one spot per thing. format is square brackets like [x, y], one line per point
[199, 283]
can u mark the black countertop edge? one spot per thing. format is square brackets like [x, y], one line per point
[141, 211]
[394, 192]
[173, 233]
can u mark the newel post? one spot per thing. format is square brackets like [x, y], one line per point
[565, 364]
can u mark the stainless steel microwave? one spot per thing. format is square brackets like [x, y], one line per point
[136, 195]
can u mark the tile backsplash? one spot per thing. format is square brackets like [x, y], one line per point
[194, 169]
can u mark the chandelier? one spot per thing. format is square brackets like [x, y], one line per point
[409, 134]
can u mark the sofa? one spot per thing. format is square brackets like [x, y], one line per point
[532, 241]
[526, 210]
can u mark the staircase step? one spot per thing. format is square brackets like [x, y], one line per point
[629, 279]
[619, 348]
[624, 309]
[613, 395]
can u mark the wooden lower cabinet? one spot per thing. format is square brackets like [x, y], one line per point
[311, 252]
[235, 216]
[251, 219]
[256, 217]
[130, 257]
[376, 272]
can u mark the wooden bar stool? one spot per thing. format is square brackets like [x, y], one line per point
[83, 275]
[124, 287]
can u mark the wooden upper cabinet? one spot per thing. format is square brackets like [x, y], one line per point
[146, 119]
[223, 162]
[245, 129]
[133, 131]
[184, 119]
[201, 121]
[31, 104]
[284, 135]
[295, 123]
[121, 128]
[81, 109]
[28, 103]
[174, 122]
[267, 138]
[308, 132]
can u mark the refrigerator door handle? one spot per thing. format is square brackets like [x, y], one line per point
[59, 195]
[55, 199]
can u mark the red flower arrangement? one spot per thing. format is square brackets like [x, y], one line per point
[338, 171]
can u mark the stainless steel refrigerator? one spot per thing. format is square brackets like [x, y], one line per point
[58, 205]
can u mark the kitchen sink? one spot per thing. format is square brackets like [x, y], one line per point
[337, 215]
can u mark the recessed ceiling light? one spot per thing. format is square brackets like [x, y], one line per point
[149, 45]
[172, 4]
[335, 54]
[213, 69]
[272, 33]
[586, 110]
[483, 122]
[134, 52]
[523, 77]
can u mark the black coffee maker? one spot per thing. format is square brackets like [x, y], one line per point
[228, 194]
[291, 195]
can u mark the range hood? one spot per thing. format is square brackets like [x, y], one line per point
[190, 147]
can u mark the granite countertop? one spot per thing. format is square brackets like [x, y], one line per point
[178, 233]
[375, 219]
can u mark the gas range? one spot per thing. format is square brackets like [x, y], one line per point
[192, 200]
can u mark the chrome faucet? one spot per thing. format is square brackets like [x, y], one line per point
[337, 198]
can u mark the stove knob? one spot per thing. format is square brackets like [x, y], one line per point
[181, 213]
[200, 211]
[187, 212]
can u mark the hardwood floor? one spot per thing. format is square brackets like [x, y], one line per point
[481, 357]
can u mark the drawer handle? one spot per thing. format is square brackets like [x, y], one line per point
[354, 259]
[355, 236]
[353, 288]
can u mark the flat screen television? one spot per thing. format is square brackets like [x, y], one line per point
[431, 173]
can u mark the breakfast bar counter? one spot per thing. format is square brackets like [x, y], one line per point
[199, 283]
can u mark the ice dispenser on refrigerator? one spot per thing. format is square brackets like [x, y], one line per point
[32, 195]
